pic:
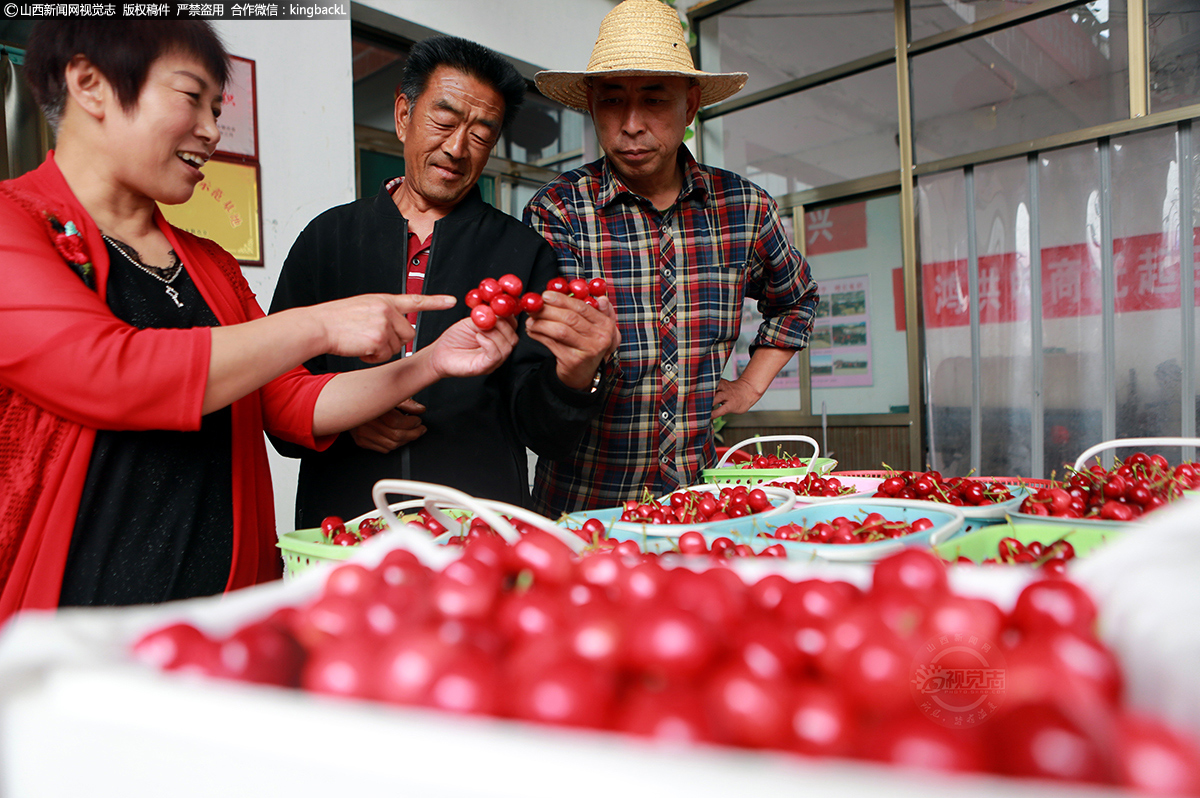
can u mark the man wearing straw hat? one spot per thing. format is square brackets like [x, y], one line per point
[680, 244]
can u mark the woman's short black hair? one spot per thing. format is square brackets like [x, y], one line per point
[122, 50]
[468, 57]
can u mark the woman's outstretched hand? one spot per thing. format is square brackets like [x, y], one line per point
[353, 398]
[373, 326]
[464, 350]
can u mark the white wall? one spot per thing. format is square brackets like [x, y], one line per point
[306, 152]
[550, 34]
[305, 127]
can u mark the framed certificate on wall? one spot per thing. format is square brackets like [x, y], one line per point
[239, 111]
[226, 208]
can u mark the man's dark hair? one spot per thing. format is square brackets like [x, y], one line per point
[469, 58]
[122, 50]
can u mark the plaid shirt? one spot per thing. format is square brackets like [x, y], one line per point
[677, 279]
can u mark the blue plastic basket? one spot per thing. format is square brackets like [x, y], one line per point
[947, 522]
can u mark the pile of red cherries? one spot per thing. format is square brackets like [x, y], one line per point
[697, 506]
[930, 486]
[815, 485]
[1139, 484]
[781, 460]
[1050, 557]
[842, 530]
[626, 645]
[499, 299]
[335, 531]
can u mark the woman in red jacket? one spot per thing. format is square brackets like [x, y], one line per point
[137, 372]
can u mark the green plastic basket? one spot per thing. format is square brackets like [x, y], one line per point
[984, 543]
[734, 475]
[306, 547]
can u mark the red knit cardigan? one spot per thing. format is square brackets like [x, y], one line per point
[69, 367]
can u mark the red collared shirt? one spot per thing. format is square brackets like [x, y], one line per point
[417, 262]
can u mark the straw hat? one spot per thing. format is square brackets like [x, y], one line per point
[639, 37]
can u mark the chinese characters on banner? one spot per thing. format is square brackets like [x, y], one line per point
[1146, 269]
[827, 230]
[835, 229]
[840, 347]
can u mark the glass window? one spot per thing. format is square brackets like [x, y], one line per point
[522, 194]
[1146, 228]
[775, 41]
[1005, 366]
[930, 18]
[945, 306]
[543, 133]
[377, 71]
[784, 391]
[1173, 48]
[825, 135]
[1072, 336]
[858, 355]
[1056, 74]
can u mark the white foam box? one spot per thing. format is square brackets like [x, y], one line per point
[78, 717]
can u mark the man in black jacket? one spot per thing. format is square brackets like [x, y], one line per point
[431, 232]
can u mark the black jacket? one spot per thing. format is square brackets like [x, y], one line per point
[478, 427]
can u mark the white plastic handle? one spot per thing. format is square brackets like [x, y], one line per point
[573, 541]
[1118, 443]
[410, 504]
[768, 438]
[428, 490]
[486, 509]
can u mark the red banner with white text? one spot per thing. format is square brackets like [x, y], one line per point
[1147, 274]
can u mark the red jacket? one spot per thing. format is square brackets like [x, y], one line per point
[68, 367]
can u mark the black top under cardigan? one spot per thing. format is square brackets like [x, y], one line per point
[478, 427]
[155, 520]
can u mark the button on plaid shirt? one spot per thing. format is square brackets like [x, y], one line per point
[677, 279]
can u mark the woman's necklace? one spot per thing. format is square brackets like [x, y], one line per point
[158, 274]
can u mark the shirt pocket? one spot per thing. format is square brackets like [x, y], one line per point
[718, 296]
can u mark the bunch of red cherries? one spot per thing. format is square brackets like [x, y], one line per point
[588, 291]
[501, 298]
[595, 533]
